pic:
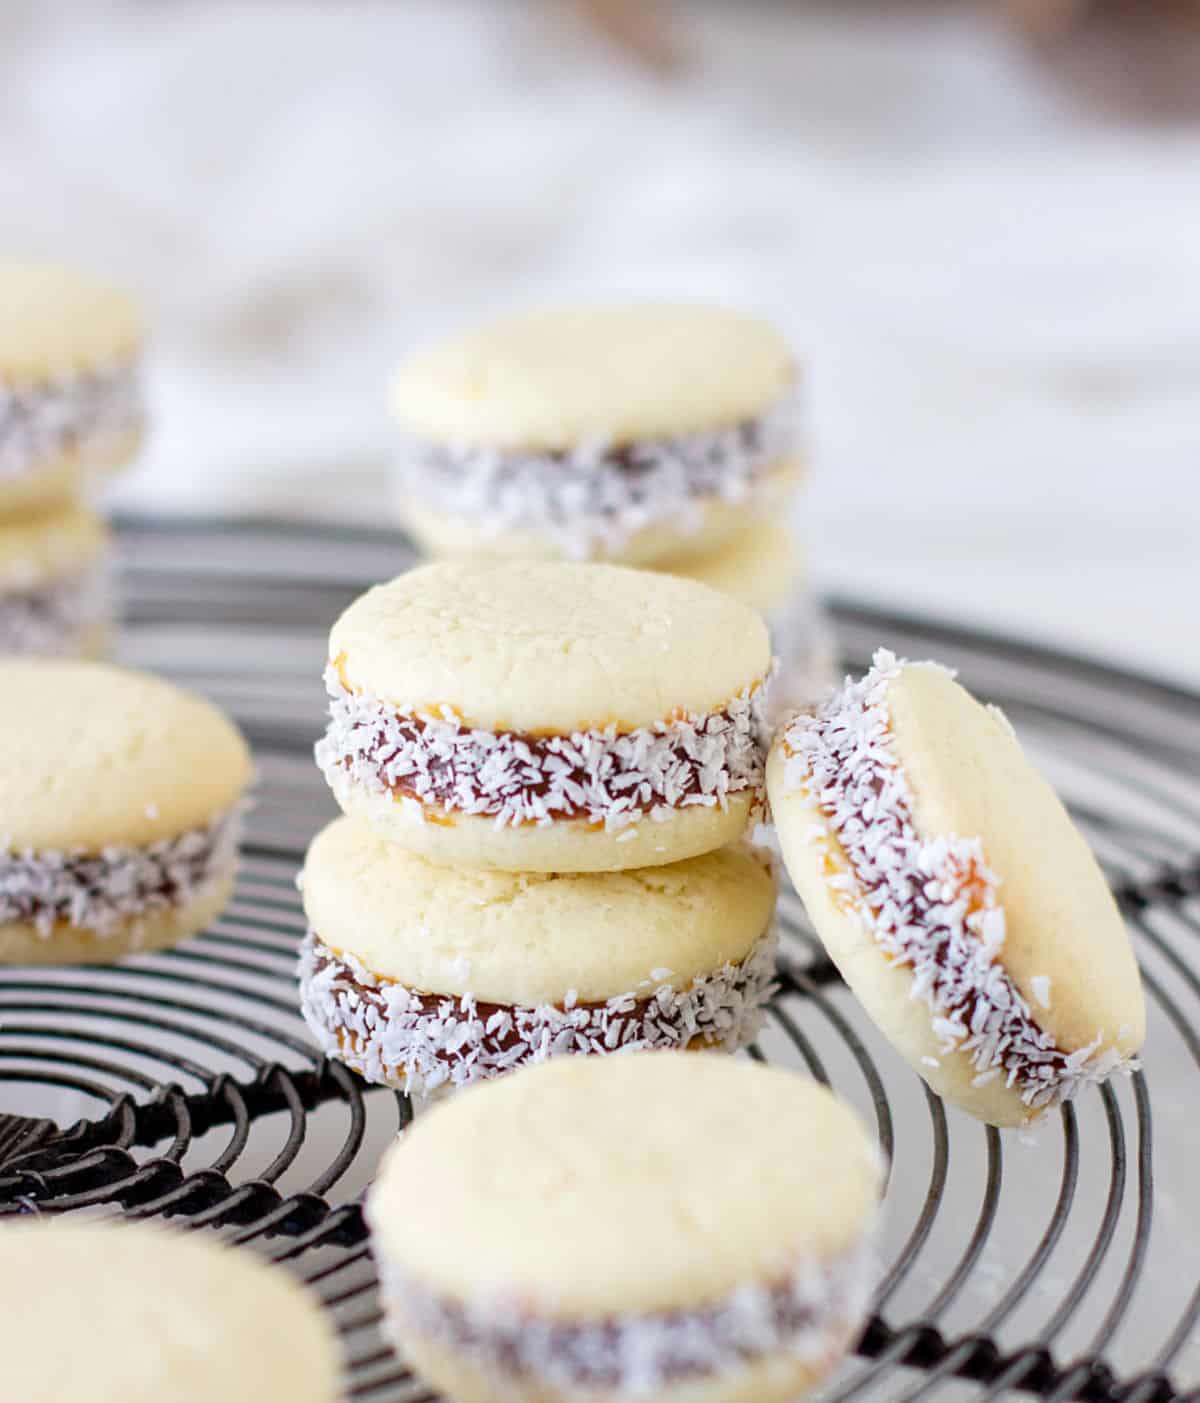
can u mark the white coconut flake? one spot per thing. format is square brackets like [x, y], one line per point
[594, 497]
[87, 412]
[1040, 984]
[378, 1025]
[100, 891]
[805, 1315]
[58, 619]
[931, 905]
[608, 777]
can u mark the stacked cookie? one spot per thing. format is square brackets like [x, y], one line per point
[656, 435]
[70, 412]
[120, 807]
[547, 769]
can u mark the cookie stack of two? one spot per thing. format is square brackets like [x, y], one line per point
[659, 435]
[70, 413]
[547, 772]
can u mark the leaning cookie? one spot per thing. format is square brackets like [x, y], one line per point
[622, 432]
[547, 716]
[667, 1227]
[426, 977]
[56, 585]
[112, 1312]
[70, 392]
[954, 893]
[120, 801]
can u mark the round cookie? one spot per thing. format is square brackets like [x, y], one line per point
[70, 393]
[688, 1229]
[56, 585]
[626, 432]
[547, 716]
[118, 1312]
[120, 800]
[954, 893]
[425, 977]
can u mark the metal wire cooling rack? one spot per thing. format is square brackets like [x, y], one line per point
[1063, 1265]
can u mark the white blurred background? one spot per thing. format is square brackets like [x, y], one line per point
[980, 224]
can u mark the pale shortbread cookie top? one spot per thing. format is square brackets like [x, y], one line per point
[528, 938]
[592, 1186]
[560, 376]
[96, 755]
[128, 1313]
[760, 567]
[549, 647]
[55, 321]
[37, 550]
[970, 778]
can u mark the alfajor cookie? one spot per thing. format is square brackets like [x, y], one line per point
[120, 800]
[547, 716]
[117, 1312]
[625, 432]
[70, 391]
[426, 977]
[763, 568]
[954, 893]
[56, 585]
[689, 1229]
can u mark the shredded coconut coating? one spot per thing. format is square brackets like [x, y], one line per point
[40, 422]
[55, 619]
[101, 891]
[387, 1031]
[607, 777]
[932, 905]
[596, 495]
[807, 1315]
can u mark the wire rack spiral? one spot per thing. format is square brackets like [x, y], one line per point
[1064, 1264]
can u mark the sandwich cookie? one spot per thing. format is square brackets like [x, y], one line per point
[117, 1312]
[763, 568]
[622, 432]
[56, 585]
[547, 716]
[70, 391]
[954, 893]
[120, 799]
[425, 977]
[690, 1229]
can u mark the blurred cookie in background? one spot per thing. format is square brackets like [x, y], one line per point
[764, 568]
[629, 432]
[57, 593]
[70, 383]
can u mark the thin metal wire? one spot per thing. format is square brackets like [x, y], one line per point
[197, 1085]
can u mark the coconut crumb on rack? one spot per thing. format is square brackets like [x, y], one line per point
[100, 891]
[84, 412]
[595, 496]
[930, 905]
[607, 777]
[805, 1315]
[55, 619]
[386, 1030]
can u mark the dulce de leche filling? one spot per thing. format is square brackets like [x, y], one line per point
[809, 1314]
[609, 777]
[83, 413]
[100, 891]
[395, 1034]
[598, 494]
